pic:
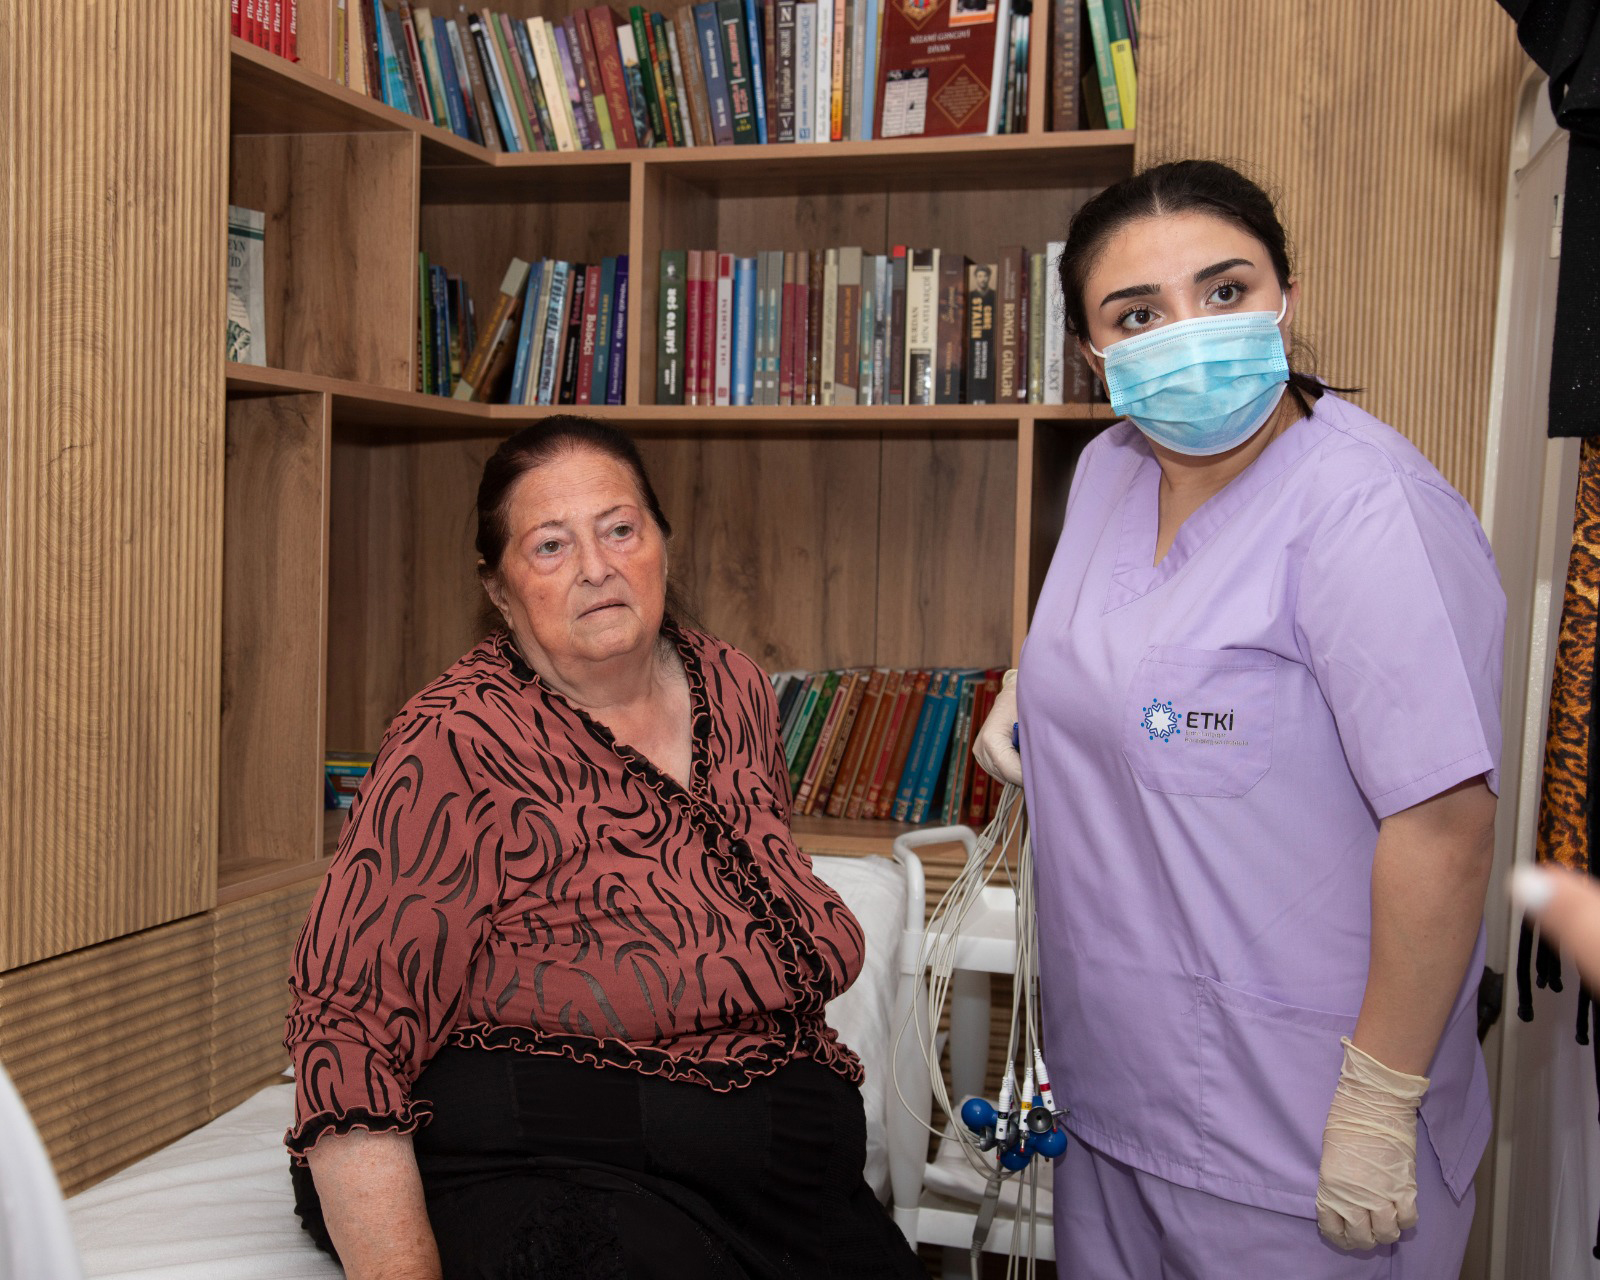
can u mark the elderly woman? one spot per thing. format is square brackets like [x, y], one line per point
[558, 1007]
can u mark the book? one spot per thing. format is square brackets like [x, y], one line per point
[958, 757]
[922, 316]
[591, 81]
[652, 99]
[839, 744]
[555, 329]
[653, 62]
[691, 329]
[816, 275]
[736, 65]
[976, 800]
[686, 47]
[1120, 44]
[886, 780]
[617, 365]
[917, 759]
[585, 127]
[558, 97]
[950, 370]
[873, 749]
[424, 379]
[784, 96]
[594, 276]
[672, 80]
[981, 381]
[805, 71]
[723, 367]
[837, 791]
[1105, 75]
[821, 754]
[247, 319]
[895, 353]
[526, 354]
[1036, 325]
[936, 68]
[799, 716]
[432, 69]
[758, 76]
[708, 327]
[1055, 325]
[744, 331]
[671, 290]
[409, 52]
[495, 338]
[599, 380]
[847, 352]
[806, 748]
[877, 365]
[830, 324]
[788, 326]
[633, 77]
[536, 95]
[938, 747]
[1065, 70]
[498, 95]
[709, 30]
[1001, 65]
[839, 72]
[822, 124]
[572, 342]
[603, 32]
[1009, 343]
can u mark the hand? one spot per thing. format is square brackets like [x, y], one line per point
[1367, 1188]
[1567, 907]
[993, 748]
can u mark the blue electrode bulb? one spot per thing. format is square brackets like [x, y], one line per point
[1016, 735]
[977, 1114]
[1050, 1145]
[1016, 1158]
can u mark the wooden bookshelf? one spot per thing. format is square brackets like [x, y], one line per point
[809, 536]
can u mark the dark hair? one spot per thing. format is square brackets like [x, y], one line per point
[543, 442]
[1182, 186]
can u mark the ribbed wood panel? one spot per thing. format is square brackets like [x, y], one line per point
[111, 315]
[1384, 129]
[120, 1048]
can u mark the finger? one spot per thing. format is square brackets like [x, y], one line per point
[1406, 1209]
[1385, 1224]
[1358, 1233]
[1331, 1225]
[1567, 907]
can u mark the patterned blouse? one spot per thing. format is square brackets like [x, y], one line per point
[512, 877]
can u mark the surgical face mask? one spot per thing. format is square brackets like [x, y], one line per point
[1200, 386]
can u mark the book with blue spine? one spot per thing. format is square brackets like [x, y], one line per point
[520, 372]
[454, 103]
[869, 58]
[394, 88]
[441, 331]
[598, 384]
[499, 95]
[917, 758]
[554, 325]
[758, 72]
[744, 329]
[617, 363]
[710, 33]
[933, 772]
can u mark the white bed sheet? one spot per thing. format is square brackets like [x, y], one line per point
[216, 1205]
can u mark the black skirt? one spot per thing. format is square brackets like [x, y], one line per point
[538, 1167]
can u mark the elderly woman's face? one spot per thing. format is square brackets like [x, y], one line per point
[584, 574]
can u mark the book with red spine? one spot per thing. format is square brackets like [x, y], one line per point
[837, 790]
[275, 30]
[590, 333]
[889, 784]
[814, 300]
[603, 31]
[874, 748]
[691, 331]
[235, 18]
[849, 681]
[976, 801]
[786, 329]
[292, 32]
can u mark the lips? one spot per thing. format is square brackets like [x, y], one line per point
[597, 608]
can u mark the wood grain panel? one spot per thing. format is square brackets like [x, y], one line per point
[314, 36]
[978, 223]
[108, 1046]
[947, 525]
[111, 311]
[1391, 172]
[774, 537]
[341, 250]
[273, 630]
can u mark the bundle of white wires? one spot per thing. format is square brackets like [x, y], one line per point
[1002, 857]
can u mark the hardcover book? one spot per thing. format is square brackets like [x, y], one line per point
[936, 68]
[951, 373]
[922, 304]
[670, 326]
[981, 382]
[247, 323]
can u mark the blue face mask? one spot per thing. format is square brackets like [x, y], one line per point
[1200, 386]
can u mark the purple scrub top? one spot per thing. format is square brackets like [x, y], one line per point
[1209, 745]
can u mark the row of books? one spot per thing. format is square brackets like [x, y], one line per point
[558, 334]
[1094, 55]
[843, 327]
[882, 743]
[716, 72]
[273, 25]
[446, 328]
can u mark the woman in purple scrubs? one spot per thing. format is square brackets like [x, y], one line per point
[1259, 710]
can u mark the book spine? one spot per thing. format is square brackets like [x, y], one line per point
[603, 30]
[955, 768]
[600, 383]
[938, 749]
[1055, 334]
[787, 328]
[411, 65]
[847, 351]
[795, 728]
[816, 285]
[572, 340]
[783, 70]
[869, 322]
[707, 372]
[694, 80]
[858, 67]
[709, 30]
[839, 72]
[669, 327]
[432, 70]
[1120, 45]
[999, 69]
[736, 54]
[869, 78]
[839, 746]
[1064, 68]
[671, 104]
[547, 66]
[758, 79]
[467, 56]
[950, 387]
[830, 324]
[724, 348]
[495, 333]
[1036, 303]
[981, 382]
[681, 57]
[572, 82]
[880, 330]
[521, 367]
[456, 105]
[879, 802]
[441, 332]
[805, 71]
[1008, 327]
[816, 724]
[917, 759]
[895, 355]
[1100, 38]
[817, 756]
[840, 788]
[617, 362]
[505, 110]
[633, 76]
[823, 80]
[977, 799]
[555, 324]
[878, 739]
[590, 332]
[641, 43]
[591, 81]
[744, 320]
[691, 326]
[372, 59]
[758, 393]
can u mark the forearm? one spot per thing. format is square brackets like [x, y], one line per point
[373, 1204]
[1429, 877]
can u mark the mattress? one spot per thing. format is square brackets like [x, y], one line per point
[216, 1205]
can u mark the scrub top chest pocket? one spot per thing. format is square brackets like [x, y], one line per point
[1198, 722]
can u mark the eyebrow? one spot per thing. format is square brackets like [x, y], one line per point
[562, 524]
[1151, 290]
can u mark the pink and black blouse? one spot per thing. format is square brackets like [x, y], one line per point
[512, 877]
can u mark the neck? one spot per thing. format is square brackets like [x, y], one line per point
[1192, 480]
[607, 688]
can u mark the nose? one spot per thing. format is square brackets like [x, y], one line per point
[593, 566]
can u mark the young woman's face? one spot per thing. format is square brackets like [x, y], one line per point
[1159, 270]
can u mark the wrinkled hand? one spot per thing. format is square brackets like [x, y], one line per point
[993, 748]
[1367, 1189]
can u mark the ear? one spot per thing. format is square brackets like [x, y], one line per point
[1292, 297]
[1097, 365]
[495, 591]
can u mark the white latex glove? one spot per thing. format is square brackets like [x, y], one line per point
[992, 747]
[1367, 1189]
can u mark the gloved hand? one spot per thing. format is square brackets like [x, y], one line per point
[992, 748]
[1367, 1189]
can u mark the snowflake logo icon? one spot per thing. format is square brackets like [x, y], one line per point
[1160, 720]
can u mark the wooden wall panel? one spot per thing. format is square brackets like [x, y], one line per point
[111, 316]
[273, 630]
[1384, 128]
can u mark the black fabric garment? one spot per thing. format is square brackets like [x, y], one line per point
[538, 1167]
[1563, 38]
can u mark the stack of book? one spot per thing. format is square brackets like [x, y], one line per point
[843, 327]
[882, 743]
[273, 25]
[1094, 53]
[558, 335]
[709, 73]
[446, 332]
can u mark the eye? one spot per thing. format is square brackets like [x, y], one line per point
[1227, 293]
[1136, 318]
[623, 530]
[548, 547]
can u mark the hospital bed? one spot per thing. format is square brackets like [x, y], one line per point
[216, 1205]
